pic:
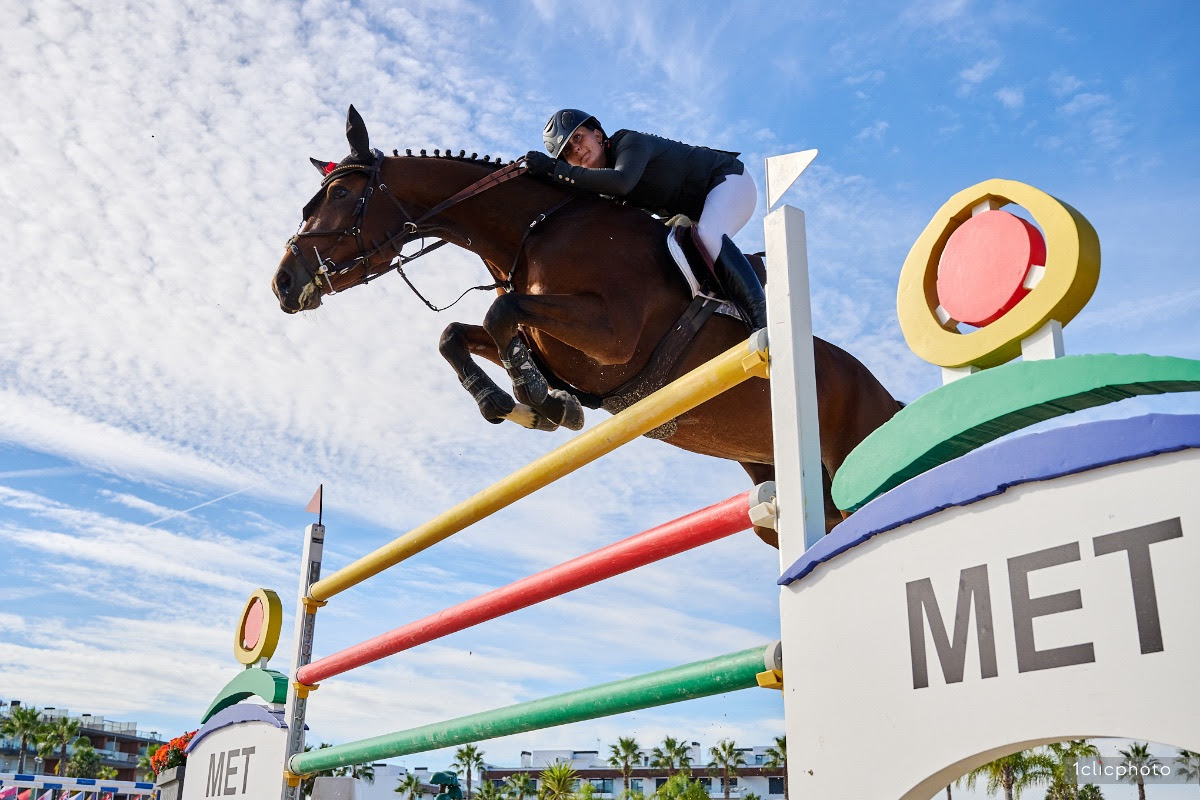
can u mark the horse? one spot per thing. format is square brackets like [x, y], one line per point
[586, 291]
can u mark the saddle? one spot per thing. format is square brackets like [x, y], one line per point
[695, 264]
[696, 267]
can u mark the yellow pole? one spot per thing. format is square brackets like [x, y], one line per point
[727, 370]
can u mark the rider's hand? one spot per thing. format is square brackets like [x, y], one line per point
[538, 163]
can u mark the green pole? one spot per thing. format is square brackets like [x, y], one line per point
[698, 679]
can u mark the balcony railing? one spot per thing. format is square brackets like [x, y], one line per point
[103, 725]
[116, 755]
[14, 746]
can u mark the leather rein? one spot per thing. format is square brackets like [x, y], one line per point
[412, 228]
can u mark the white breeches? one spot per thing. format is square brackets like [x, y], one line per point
[726, 209]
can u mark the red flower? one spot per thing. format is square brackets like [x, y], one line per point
[171, 754]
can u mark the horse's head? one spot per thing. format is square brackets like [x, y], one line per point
[339, 244]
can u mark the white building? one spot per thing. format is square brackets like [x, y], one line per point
[387, 780]
[592, 765]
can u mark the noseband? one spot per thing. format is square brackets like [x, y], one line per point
[411, 229]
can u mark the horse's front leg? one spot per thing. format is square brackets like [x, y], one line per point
[458, 344]
[579, 321]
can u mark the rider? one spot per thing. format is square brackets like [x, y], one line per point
[665, 177]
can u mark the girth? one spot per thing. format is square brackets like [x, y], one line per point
[651, 377]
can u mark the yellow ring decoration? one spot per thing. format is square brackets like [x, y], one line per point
[268, 638]
[1072, 270]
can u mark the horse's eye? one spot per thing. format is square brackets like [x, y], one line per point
[340, 192]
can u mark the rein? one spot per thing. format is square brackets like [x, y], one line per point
[411, 229]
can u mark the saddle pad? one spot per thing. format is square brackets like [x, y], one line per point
[689, 275]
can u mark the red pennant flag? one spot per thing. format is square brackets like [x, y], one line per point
[314, 505]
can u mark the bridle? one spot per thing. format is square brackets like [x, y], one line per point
[413, 228]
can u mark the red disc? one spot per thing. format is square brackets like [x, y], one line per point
[252, 629]
[982, 271]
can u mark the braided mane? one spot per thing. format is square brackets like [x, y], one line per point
[462, 156]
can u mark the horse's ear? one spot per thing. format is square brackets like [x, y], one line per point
[356, 134]
[323, 167]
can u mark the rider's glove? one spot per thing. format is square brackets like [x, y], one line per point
[538, 163]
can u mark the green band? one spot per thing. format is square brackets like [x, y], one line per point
[972, 411]
[699, 679]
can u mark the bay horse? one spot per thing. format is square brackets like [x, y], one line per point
[586, 292]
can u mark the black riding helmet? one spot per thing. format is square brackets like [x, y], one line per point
[561, 125]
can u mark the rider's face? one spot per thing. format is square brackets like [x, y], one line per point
[585, 148]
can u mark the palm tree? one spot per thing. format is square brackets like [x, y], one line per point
[777, 759]
[681, 787]
[623, 755]
[558, 781]
[1090, 791]
[1064, 780]
[519, 786]
[410, 785]
[726, 759]
[672, 757]
[306, 783]
[467, 758]
[1138, 758]
[364, 772]
[23, 724]
[489, 791]
[1013, 774]
[1189, 765]
[107, 773]
[45, 745]
[85, 761]
[62, 732]
[145, 763]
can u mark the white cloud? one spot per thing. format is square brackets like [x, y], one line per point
[1095, 125]
[1084, 102]
[870, 76]
[970, 77]
[136, 503]
[40, 472]
[1011, 97]
[873, 132]
[1062, 84]
[1147, 311]
[945, 10]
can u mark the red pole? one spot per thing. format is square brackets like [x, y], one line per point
[700, 527]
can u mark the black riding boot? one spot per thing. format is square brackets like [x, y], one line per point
[741, 285]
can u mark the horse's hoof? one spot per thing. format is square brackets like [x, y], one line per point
[526, 417]
[572, 415]
[767, 535]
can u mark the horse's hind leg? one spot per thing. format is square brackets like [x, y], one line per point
[760, 473]
[458, 343]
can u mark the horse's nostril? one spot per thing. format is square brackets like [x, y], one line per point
[282, 281]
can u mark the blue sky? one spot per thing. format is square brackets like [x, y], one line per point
[158, 159]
